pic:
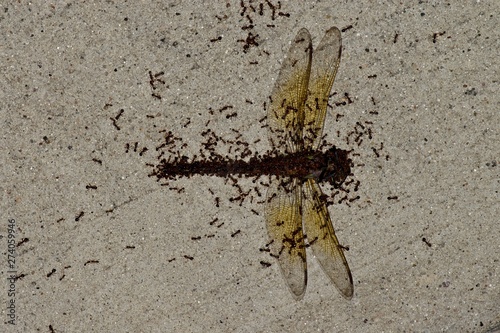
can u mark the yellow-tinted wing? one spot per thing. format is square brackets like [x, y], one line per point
[285, 116]
[325, 62]
[284, 226]
[322, 239]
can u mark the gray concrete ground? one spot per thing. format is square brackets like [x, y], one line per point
[98, 246]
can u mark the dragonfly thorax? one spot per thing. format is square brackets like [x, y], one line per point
[336, 167]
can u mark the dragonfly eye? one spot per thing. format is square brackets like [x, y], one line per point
[337, 166]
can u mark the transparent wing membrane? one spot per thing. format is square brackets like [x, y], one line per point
[284, 226]
[295, 120]
[285, 115]
[322, 240]
[325, 62]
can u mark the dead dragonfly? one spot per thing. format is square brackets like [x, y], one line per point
[295, 201]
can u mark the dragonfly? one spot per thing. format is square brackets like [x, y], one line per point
[296, 210]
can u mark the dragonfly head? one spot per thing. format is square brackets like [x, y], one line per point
[337, 166]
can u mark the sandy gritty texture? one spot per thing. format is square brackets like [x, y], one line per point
[426, 76]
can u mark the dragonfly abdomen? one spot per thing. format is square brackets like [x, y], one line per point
[302, 165]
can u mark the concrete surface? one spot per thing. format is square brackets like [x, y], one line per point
[425, 77]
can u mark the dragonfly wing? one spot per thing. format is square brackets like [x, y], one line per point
[285, 116]
[284, 226]
[322, 239]
[325, 62]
